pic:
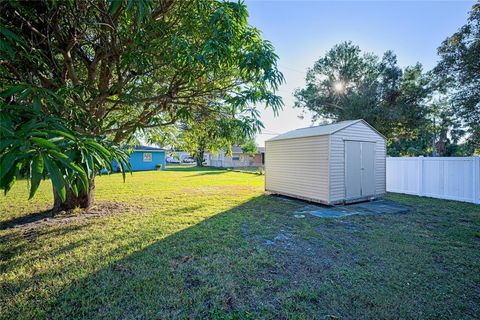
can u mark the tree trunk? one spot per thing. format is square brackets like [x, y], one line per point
[84, 199]
[200, 153]
[199, 158]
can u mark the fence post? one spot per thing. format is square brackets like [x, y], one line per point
[476, 180]
[420, 176]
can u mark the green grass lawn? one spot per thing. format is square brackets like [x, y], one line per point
[188, 243]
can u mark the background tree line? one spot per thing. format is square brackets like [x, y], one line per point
[421, 113]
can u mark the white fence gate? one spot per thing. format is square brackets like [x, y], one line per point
[453, 178]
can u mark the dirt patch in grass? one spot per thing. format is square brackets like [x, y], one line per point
[47, 218]
[298, 259]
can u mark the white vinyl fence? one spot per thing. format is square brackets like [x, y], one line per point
[455, 178]
[229, 163]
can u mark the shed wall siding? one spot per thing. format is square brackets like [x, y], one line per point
[298, 167]
[359, 132]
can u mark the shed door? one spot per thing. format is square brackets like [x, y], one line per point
[368, 169]
[359, 169]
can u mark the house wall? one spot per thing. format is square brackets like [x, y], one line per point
[138, 163]
[358, 132]
[214, 160]
[257, 160]
[244, 160]
[298, 167]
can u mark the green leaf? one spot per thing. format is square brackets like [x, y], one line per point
[43, 143]
[67, 162]
[56, 139]
[141, 10]
[90, 165]
[4, 143]
[36, 170]
[24, 94]
[114, 5]
[7, 163]
[13, 90]
[74, 188]
[5, 47]
[27, 127]
[62, 133]
[122, 169]
[9, 179]
[56, 176]
[52, 99]
[130, 5]
[37, 104]
[11, 35]
[6, 132]
[100, 148]
[35, 133]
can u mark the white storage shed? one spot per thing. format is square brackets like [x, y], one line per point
[330, 164]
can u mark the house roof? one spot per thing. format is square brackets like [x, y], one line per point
[147, 148]
[321, 130]
[238, 149]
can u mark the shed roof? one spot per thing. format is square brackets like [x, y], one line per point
[320, 130]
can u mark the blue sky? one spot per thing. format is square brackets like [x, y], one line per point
[302, 31]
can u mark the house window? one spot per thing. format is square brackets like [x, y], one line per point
[235, 158]
[147, 157]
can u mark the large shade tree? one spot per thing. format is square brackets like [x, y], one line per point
[347, 84]
[459, 71]
[107, 69]
[207, 132]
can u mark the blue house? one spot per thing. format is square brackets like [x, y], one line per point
[145, 158]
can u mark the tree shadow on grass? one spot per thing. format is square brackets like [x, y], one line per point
[180, 168]
[25, 220]
[207, 173]
[214, 170]
[211, 268]
[257, 261]
[248, 262]
[17, 244]
[48, 218]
